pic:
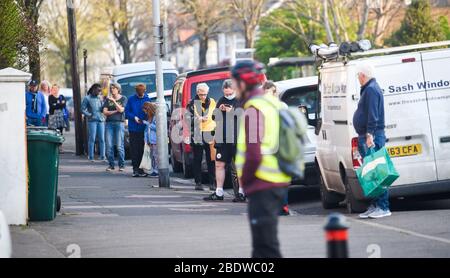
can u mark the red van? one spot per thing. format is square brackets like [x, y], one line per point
[184, 90]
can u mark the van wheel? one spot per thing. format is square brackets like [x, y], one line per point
[354, 205]
[330, 200]
[187, 168]
[177, 166]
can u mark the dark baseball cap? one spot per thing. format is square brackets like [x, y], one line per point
[33, 83]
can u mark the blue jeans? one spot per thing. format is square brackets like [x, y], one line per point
[34, 122]
[96, 130]
[379, 140]
[115, 132]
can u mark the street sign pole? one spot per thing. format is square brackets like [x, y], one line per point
[161, 119]
[75, 77]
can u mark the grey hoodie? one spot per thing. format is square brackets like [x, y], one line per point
[92, 107]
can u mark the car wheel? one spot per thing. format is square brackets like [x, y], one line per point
[177, 166]
[187, 168]
[354, 205]
[330, 199]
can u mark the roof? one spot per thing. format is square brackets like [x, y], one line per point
[296, 82]
[206, 71]
[140, 67]
[293, 61]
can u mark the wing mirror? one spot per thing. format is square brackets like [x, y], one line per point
[304, 110]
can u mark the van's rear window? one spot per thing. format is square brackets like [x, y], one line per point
[129, 83]
[215, 89]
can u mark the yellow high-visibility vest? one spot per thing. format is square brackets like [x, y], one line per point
[269, 169]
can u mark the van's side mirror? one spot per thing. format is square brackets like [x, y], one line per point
[304, 110]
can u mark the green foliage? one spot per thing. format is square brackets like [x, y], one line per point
[12, 31]
[443, 22]
[418, 26]
[277, 41]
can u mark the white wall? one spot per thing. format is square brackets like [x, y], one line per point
[13, 156]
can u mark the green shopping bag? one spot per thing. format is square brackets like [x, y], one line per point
[377, 173]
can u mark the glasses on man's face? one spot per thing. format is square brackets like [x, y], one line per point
[202, 95]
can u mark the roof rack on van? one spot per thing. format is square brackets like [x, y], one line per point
[400, 49]
[206, 71]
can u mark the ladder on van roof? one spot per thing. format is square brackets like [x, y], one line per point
[398, 49]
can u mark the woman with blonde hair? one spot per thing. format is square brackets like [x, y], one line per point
[45, 88]
[56, 104]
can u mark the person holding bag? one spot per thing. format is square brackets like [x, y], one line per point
[57, 104]
[369, 123]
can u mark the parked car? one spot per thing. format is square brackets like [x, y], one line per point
[299, 93]
[415, 85]
[183, 92]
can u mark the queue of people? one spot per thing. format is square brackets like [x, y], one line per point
[45, 106]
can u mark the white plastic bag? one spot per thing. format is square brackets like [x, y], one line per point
[146, 163]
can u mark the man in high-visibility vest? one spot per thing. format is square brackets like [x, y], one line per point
[257, 166]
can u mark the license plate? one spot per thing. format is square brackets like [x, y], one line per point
[406, 150]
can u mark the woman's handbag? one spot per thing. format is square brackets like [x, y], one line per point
[377, 173]
[146, 162]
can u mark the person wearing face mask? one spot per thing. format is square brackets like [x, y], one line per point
[92, 109]
[226, 137]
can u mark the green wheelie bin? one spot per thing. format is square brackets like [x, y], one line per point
[43, 163]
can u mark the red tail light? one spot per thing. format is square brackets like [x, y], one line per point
[356, 156]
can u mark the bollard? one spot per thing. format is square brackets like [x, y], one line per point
[336, 232]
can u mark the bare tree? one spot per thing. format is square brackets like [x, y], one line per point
[129, 22]
[384, 12]
[90, 35]
[249, 13]
[206, 16]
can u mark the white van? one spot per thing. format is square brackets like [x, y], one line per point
[129, 75]
[416, 89]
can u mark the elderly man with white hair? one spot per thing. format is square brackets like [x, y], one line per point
[202, 109]
[368, 121]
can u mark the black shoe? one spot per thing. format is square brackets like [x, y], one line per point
[213, 197]
[110, 168]
[240, 198]
[135, 175]
[199, 187]
[142, 174]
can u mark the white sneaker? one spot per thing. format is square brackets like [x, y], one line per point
[366, 214]
[380, 213]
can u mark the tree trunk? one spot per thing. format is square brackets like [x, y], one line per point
[126, 54]
[326, 21]
[34, 60]
[203, 50]
[249, 37]
[364, 19]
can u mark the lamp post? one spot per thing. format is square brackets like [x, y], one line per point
[161, 118]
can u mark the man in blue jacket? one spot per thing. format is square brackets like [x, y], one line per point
[368, 121]
[36, 108]
[136, 127]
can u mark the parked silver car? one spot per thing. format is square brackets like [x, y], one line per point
[302, 92]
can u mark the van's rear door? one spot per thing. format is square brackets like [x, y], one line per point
[436, 65]
[407, 119]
